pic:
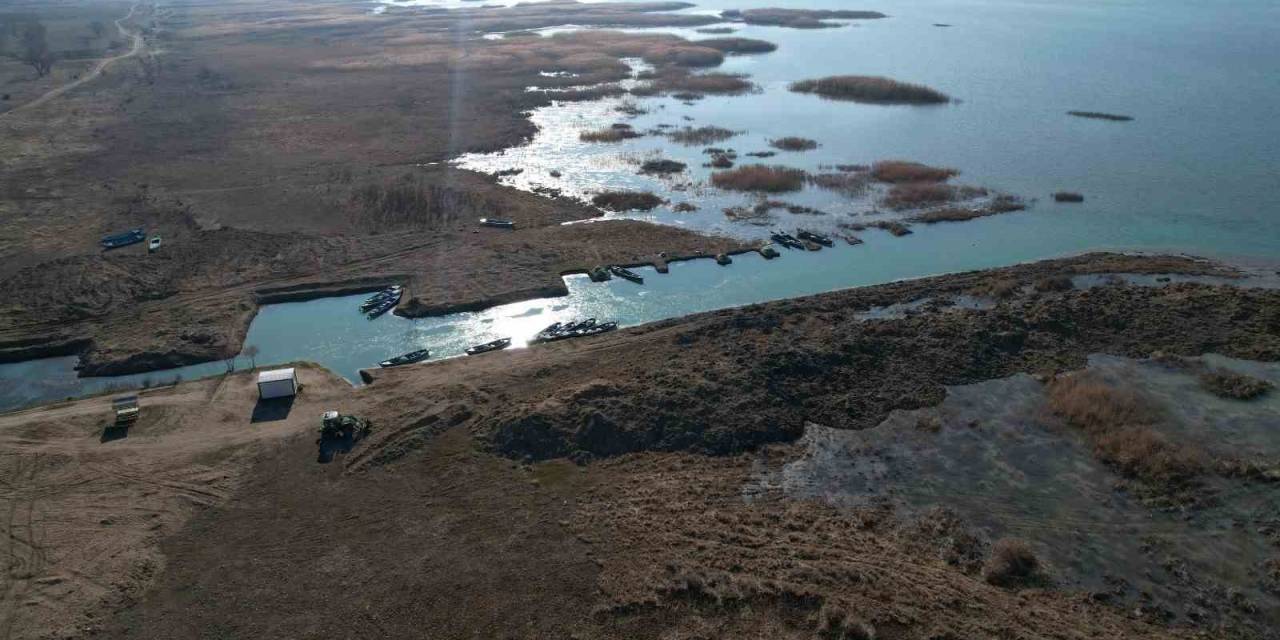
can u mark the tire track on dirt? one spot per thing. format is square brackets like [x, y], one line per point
[98, 69]
[24, 556]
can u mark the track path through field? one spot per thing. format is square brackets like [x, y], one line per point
[138, 46]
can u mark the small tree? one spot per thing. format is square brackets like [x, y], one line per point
[97, 28]
[231, 364]
[251, 352]
[35, 48]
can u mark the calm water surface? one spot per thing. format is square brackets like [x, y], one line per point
[1197, 171]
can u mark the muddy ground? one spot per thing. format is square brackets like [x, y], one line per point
[465, 514]
[297, 146]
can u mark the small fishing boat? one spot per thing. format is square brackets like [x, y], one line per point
[497, 223]
[132, 236]
[815, 237]
[578, 329]
[501, 343]
[384, 306]
[723, 259]
[627, 274]
[787, 240]
[380, 297]
[408, 358]
[154, 245]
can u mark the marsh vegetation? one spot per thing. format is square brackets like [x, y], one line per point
[870, 89]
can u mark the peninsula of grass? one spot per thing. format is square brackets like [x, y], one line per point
[760, 178]
[738, 46]
[870, 89]
[1098, 115]
[899, 171]
[694, 136]
[798, 18]
[626, 200]
[794, 143]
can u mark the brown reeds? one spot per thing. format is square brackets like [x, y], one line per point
[870, 89]
[760, 178]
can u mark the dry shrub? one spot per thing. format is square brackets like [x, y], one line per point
[892, 226]
[705, 83]
[1001, 289]
[849, 184]
[608, 134]
[760, 178]
[683, 56]
[737, 45]
[1004, 203]
[1054, 283]
[685, 207]
[794, 143]
[870, 89]
[626, 200]
[1012, 563]
[720, 161]
[1229, 384]
[916, 195]
[692, 136]
[1117, 422]
[895, 171]
[838, 624]
[412, 202]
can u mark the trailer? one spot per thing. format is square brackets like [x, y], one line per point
[280, 383]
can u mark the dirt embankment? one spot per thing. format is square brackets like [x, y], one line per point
[730, 380]
[286, 150]
[650, 544]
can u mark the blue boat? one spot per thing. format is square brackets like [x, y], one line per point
[132, 236]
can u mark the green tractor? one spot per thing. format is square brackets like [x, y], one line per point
[334, 425]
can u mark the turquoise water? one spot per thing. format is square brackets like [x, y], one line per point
[1198, 171]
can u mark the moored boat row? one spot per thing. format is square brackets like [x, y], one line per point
[576, 329]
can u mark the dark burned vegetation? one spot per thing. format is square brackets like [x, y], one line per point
[870, 89]
[661, 167]
[794, 143]
[626, 200]
[1098, 115]
[696, 136]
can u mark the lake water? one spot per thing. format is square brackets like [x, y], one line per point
[1197, 171]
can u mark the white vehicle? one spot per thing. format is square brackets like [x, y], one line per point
[154, 245]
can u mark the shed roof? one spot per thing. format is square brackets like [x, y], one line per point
[275, 375]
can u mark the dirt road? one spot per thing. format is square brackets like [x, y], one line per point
[138, 46]
[83, 508]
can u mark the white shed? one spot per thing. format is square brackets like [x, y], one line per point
[281, 383]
